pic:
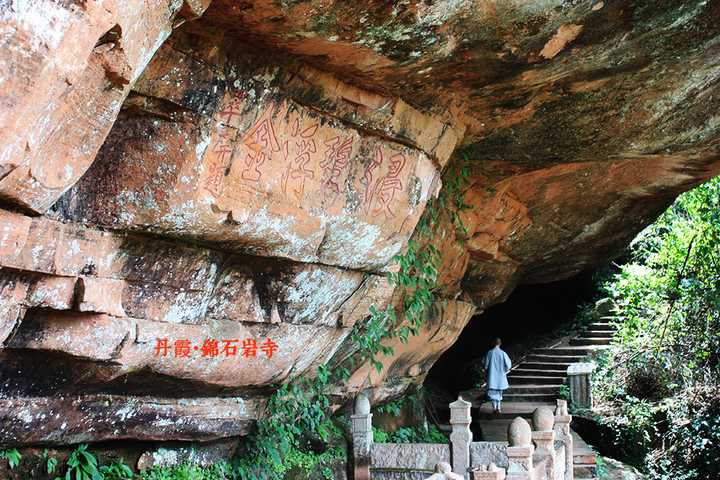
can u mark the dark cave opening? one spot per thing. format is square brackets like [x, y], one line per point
[532, 316]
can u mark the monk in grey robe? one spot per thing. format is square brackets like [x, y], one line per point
[497, 365]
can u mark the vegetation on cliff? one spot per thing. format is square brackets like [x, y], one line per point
[301, 409]
[659, 382]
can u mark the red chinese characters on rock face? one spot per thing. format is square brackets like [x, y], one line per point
[380, 192]
[233, 109]
[367, 179]
[298, 168]
[223, 146]
[269, 348]
[221, 151]
[261, 142]
[337, 157]
[211, 348]
[291, 163]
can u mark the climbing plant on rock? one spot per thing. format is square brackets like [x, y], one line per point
[301, 407]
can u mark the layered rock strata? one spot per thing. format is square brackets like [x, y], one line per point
[177, 177]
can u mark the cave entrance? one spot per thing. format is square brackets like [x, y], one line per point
[532, 316]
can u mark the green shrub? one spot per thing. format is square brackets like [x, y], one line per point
[635, 425]
[50, 462]
[564, 392]
[380, 436]
[395, 407]
[190, 471]
[690, 448]
[82, 465]
[416, 434]
[116, 471]
[658, 382]
[12, 456]
[309, 462]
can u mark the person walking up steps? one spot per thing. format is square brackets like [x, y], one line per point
[497, 365]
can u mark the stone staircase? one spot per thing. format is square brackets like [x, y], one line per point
[537, 381]
[540, 376]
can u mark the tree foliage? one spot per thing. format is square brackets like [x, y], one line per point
[662, 375]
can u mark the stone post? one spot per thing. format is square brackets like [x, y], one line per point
[543, 436]
[488, 472]
[520, 451]
[461, 436]
[362, 437]
[580, 381]
[562, 432]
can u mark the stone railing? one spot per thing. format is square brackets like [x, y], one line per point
[542, 453]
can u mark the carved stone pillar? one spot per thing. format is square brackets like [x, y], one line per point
[520, 451]
[562, 432]
[544, 438]
[461, 436]
[362, 437]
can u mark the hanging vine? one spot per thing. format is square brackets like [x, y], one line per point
[301, 407]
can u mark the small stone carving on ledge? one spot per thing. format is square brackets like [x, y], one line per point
[444, 472]
[488, 472]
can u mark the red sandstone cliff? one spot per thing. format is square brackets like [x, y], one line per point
[250, 170]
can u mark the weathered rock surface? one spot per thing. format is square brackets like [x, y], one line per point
[69, 66]
[92, 418]
[411, 361]
[171, 292]
[252, 170]
[190, 171]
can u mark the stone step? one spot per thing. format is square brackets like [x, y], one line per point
[598, 334]
[583, 454]
[529, 397]
[584, 471]
[584, 458]
[601, 326]
[563, 351]
[524, 371]
[543, 366]
[534, 380]
[531, 388]
[510, 410]
[556, 359]
[583, 341]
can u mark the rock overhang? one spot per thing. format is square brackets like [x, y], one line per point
[579, 123]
